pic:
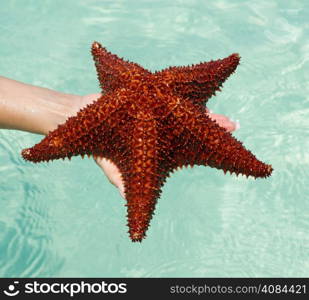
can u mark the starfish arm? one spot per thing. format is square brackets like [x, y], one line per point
[199, 82]
[142, 181]
[211, 145]
[113, 71]
[80, 134]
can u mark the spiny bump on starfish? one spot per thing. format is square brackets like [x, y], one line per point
[150, 124]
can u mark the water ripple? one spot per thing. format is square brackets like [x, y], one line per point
[65, 219]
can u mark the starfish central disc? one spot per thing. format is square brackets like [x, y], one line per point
[151, 101]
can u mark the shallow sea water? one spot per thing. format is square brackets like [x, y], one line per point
[65, 219]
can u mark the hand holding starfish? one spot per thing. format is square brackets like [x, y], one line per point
[40, 110]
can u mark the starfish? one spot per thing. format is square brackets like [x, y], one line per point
[149, 124]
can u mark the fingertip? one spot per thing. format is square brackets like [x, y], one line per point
[122, 193]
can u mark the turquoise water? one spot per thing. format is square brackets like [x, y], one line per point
[65, 219]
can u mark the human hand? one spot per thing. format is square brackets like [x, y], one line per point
[111, 170]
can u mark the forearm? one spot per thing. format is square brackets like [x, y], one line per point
[31, 108]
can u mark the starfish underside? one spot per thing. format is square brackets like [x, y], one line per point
[149, 124]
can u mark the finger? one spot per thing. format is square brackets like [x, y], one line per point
[110, 170]
[121, 191]
[112, 173]
[230, 126]
[236, 124]
[220, 119]
[224, 122]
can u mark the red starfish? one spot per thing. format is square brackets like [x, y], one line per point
[149, 124]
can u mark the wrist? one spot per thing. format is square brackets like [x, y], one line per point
[33, 109]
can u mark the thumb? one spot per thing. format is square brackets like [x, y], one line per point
[112, 173]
